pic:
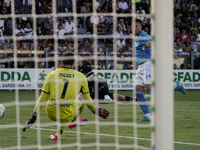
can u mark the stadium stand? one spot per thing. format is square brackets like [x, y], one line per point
[186, 28]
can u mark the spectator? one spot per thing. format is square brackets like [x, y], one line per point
[61, 32]
[26, 7]
[177, 43]
[18, 4]
[193, 34]
[147, 24]
[95, 20]
[19, 32]
[69, 26]
[4, 9]
[1, 38]
[105, 9]
[7, 2]
[97, 6]
[195, 18]
[8, 21]
[118, 33]
[180, 2]
[87, 39]
[107, 4]
[176, 10]
[188, 66]
[182, 27]
[60, 21]
[28, 31]
[175, 66]
[141, 11]
[48, 22]
[110, 32]
[39, 30]
[9, 64]
[176, 30]
[194, 44]
[20, 64]
[21, 22]
[141, 17]
[190, 5]
[39, 23]
[44, 8]
[194, 10]
[187, 45]
[121, 44]
[144, 5]
[48, 30]
[176, 4]
[183, 36]
[123, 6]
[130, 6]
[29, 2]
[85, 9]
[198, 37]
[8, 32]
[122, 25]
[192, 26]
[184, 13]
[178, 19]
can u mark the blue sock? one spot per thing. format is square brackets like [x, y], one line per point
[143, 105]
[149, 92]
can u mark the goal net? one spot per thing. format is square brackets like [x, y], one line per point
[35, 36]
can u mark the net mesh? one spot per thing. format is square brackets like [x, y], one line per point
[110, 133]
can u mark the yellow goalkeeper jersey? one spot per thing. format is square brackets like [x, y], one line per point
[63, 85]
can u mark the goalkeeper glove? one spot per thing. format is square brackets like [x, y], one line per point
[30, 122]
[101, 112]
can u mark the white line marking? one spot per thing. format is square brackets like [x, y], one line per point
[188, 102]
[109, 135]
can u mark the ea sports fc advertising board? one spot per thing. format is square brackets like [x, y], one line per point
[26, 79]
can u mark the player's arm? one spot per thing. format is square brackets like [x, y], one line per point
[148, 44]
[90, 103]
[43, 97]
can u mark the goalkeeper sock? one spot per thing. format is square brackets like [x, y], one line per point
[142, 102]
[81, 109]
[60, 130]
[128, 98]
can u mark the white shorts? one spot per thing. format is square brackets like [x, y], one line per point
[143, 74]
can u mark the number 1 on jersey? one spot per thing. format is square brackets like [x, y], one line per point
[65, 87]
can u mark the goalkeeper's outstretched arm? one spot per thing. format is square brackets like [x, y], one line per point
[42, 98]
[98, 111]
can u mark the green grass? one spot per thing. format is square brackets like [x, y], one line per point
[186, 129]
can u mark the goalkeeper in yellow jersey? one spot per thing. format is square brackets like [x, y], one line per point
[69, 83]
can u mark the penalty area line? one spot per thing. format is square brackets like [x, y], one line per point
[110, 135]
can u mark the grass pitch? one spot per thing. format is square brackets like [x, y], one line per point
[186, 129]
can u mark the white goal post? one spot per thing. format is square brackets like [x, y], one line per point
[162, 96]
[162, 124]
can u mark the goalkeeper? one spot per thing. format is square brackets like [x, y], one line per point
[70, 83]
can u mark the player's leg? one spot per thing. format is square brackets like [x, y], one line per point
[78, 122]
[121, 97]
[177, 86]
[103, 92]
[143, 79]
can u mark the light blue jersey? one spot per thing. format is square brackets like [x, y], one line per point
[141, 50]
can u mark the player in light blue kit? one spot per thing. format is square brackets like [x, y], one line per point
[143, 73]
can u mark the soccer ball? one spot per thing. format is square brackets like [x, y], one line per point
[2, 111]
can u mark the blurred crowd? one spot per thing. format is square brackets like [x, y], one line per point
[186, 27]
